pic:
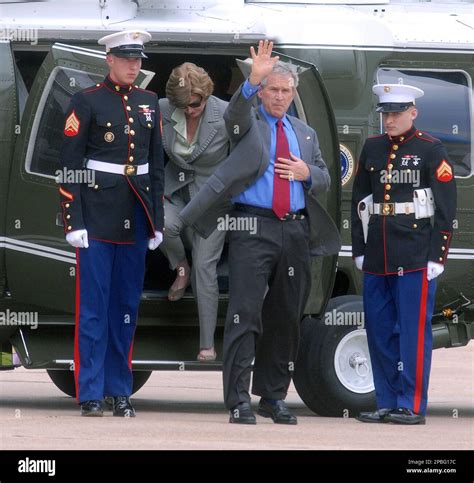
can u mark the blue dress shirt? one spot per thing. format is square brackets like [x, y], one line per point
[261, 192]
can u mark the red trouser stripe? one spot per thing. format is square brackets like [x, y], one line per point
[76, 332]
[130, 352]
[420, 351]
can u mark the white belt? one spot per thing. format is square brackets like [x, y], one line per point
[394, 208]
[124, 169]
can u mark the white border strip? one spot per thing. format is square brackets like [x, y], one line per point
[37, 250]
[68, 257]
[460, 257]
[345, 254]
[454, 253]
[76, 47]
[372, 48]
[146, 362]
[14, 241]
[461, 250]
[97, 54]
[40, 254]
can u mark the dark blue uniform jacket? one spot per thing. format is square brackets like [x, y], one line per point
[391, 169]
[121, 125]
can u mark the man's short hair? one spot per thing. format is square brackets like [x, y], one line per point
[286, 69]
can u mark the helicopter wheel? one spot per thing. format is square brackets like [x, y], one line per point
[333, 373]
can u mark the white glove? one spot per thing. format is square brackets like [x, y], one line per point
[153, 243]
[78, 239]
[434, 270]
[359, 261]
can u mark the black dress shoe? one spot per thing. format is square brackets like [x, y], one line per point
[279, 412]
[405, 416]
[242, 414]
[378, 416]
[92, 408]
[108, 403]
[123, 407]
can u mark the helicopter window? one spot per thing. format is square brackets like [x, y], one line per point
[43, 155]
[444, 109]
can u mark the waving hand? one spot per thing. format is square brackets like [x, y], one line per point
[263, 61]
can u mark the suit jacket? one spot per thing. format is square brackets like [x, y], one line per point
[212, 147]
[249, 159]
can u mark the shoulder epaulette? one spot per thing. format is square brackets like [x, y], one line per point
[426, 137]
[90, 89]
[145, 90]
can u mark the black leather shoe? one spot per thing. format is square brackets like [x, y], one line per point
[108, 403]
[279, 412]
[405, 416]
[242, 414]
[92, 408]
[374, 416]
[123, 407]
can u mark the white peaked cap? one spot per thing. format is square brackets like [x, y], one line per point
[396, 97]
[128, 43]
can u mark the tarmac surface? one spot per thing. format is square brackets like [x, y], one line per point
[184, 411]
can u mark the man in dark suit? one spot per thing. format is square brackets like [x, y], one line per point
[272, 176]
[112, 130]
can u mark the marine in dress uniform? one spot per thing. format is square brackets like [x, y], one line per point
[113, 129]
[410, 179]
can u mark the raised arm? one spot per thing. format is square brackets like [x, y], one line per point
[238, 115]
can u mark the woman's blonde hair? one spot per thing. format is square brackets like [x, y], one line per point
[186, 80]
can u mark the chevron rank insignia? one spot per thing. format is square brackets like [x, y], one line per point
[71, 128]
[444, 172]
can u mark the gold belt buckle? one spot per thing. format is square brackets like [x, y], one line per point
[129, 170]
[388, 209]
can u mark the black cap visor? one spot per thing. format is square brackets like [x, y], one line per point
[393, 106]
[128, 51]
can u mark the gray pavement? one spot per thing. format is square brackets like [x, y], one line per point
[184, 411]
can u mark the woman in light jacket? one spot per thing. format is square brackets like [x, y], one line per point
[195, 140]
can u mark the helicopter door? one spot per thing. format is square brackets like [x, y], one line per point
[8, 121]
[41, 266]
[312, 105]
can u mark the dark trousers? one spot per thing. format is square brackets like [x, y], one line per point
[398, 311]
[109, 286]
[269, 283]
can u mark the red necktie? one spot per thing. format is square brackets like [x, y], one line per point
[281, 186]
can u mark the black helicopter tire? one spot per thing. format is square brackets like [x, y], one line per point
[64, 380]
[326, 389]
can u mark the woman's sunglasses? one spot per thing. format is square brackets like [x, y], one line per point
[196, 104]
